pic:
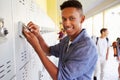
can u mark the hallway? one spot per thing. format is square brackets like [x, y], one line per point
[111, 67]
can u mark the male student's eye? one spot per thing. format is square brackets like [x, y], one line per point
[63, 19]
[72, 18]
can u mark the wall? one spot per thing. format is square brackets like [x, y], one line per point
[109, 19]
[52, 10]
[42, 4]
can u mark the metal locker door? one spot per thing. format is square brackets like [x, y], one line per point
[19, 8]
[7, 67]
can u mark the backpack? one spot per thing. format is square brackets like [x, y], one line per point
[116, 47]
[98, 38]
[114, 44]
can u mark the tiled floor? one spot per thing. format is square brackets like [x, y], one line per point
[111, 67]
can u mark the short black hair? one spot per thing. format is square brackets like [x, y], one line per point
[71, 3]
[103, 30]
[118, 39]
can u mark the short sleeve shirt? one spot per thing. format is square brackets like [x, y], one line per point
[102, 46]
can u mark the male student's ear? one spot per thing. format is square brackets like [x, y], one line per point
[82, 19]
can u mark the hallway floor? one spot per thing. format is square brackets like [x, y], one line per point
[111, 67]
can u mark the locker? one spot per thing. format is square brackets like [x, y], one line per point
[18, 60]
[7, 71]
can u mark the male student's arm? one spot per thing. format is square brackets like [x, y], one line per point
[35, 30]
[36, 44]
[107, 54]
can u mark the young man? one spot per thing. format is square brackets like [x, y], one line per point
[102, 43]
[116, 49]
[118, 56]
[76, 52]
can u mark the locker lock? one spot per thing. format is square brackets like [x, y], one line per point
[3, 30]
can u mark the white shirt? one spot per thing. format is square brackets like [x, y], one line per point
[102, 46]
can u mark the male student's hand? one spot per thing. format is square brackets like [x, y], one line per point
[33, 28]
[31, 38]
[106, 58]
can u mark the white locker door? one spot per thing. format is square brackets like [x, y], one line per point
[21, 49]
[35, 63]
[7, 67]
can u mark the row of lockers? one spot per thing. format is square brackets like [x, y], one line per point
[18, 60]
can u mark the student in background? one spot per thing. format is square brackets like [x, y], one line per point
[76, 52]
[102, 44]
[62, 34]
[116, 49]
[118, 56]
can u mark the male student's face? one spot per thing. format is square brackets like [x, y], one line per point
[72, 20]
[106, 33]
